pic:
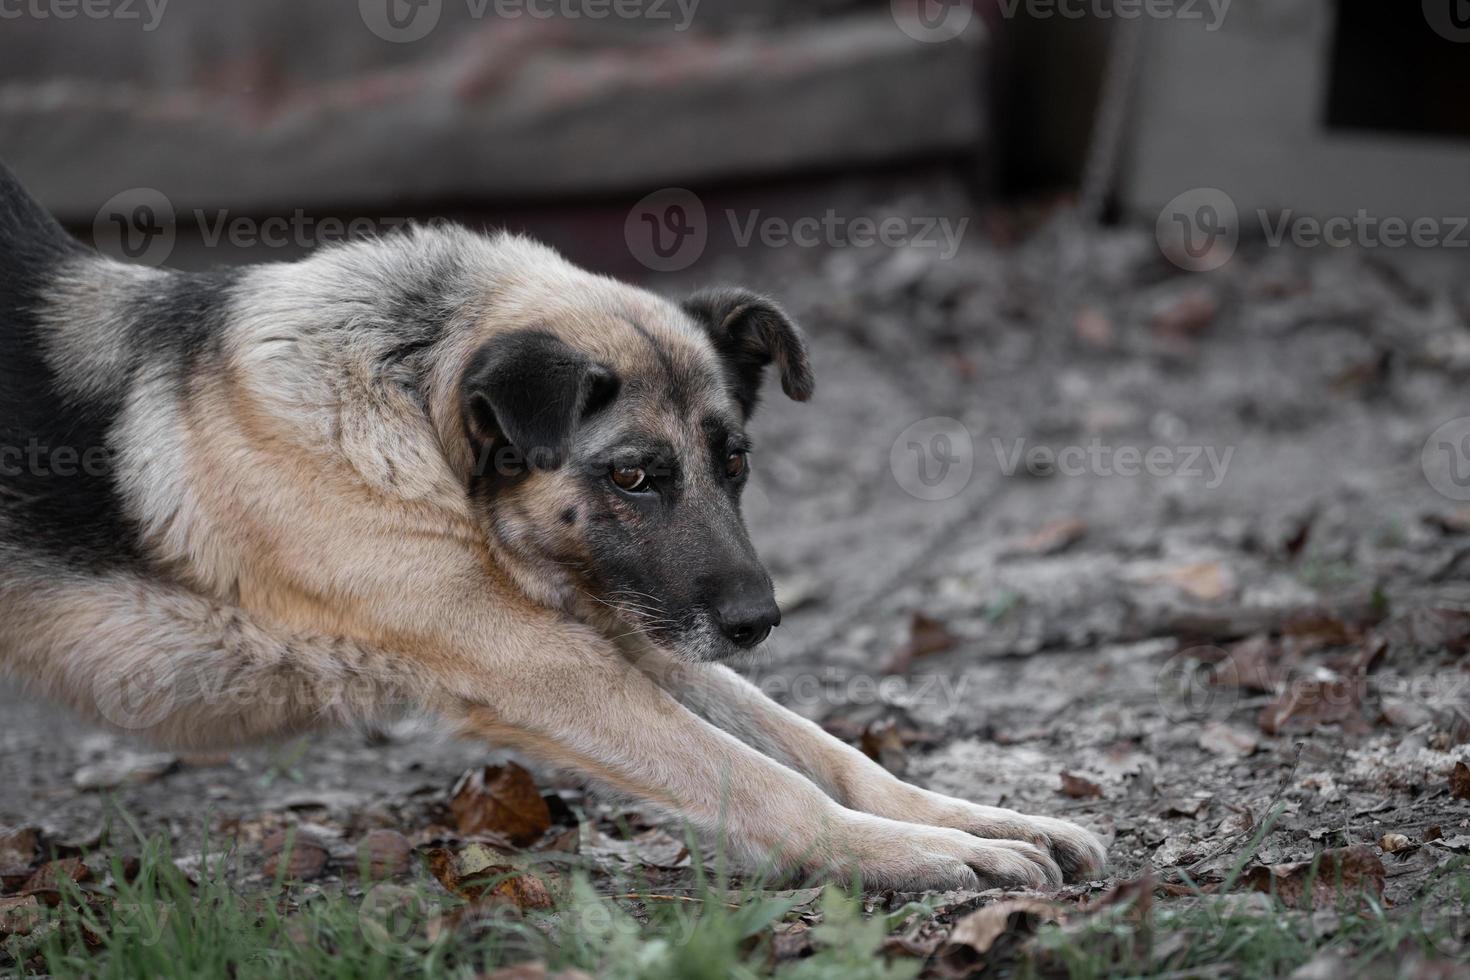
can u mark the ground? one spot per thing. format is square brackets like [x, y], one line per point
[1250, 655]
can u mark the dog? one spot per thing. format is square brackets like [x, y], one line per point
[435, 471]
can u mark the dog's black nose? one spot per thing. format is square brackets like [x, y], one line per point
[746, 622]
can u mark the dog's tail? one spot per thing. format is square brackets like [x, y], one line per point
[28, 233]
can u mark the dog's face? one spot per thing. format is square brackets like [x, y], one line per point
[612, 451]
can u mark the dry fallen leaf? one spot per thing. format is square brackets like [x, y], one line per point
[1394, 843]
[294, 854]
[1251, 665]
[1207, 581]
[1308, 704]
[1227, 741]
[387, 853]
[882, 743]
[1353, 870]
[19, 915]
[1079, 788]
[1186, 314]
[926, 635]
[974, 935]
[478, 873]
[19, 846]
[652, 848]
[1460, 782]
[1049, 539]
[500, 800]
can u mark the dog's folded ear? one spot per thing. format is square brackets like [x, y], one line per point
[529, 390]
[751, 332]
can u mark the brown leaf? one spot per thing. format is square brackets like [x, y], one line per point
[974, 935]
[387, 854]
[1187, 314]
[1394, 843]
[1049, 539]
[882, 743]
[1207, 581]
[1460, 782]
[51, 875]
[294, 854]
[1355, 870]
[1251, 665]
[1306, 705]
[926, 635]
[500, 800]
[1079, 788]
[19, 915]
[1228, 741]
[478, 873]
[19, 846]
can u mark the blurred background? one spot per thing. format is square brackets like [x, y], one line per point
[1139, 325]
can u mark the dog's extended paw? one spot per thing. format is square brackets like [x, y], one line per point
[1077, 851]
[910, 857]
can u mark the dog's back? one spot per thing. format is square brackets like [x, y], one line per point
[50, 503]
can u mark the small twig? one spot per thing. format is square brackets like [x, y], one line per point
[635, 897]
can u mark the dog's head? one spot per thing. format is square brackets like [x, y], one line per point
[608, 429]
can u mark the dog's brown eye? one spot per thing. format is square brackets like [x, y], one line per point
[630, 479]
[735, 464]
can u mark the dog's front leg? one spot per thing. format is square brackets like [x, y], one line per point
[734, 704]
[564, 695]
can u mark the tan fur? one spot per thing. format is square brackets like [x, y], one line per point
[327, 569]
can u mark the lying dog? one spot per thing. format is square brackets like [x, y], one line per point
[436, 470]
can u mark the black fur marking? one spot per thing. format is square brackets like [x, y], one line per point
[569, 516]
[180, 320]
[56, 472]
[750, 332]
[527, 391]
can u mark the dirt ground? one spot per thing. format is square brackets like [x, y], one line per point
[1275, 618]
